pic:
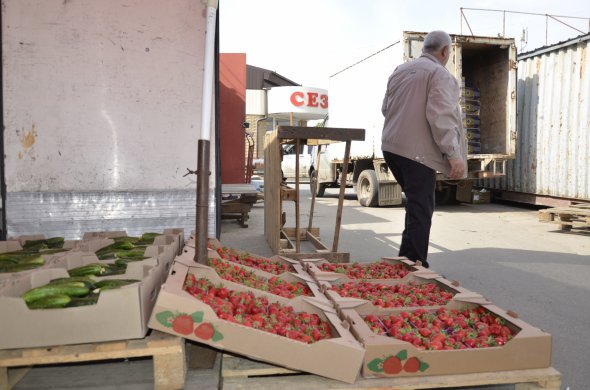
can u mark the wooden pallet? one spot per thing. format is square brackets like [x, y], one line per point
[166, 350]
[576, 216]
[240, 373]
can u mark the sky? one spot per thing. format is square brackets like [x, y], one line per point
[307, 41]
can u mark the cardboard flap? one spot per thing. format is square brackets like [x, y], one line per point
[10, 246]
[471, 297]
[287, 259]
[105, 234]
[320, 304]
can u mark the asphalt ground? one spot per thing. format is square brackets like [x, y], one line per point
[501, 251]
[498, 250]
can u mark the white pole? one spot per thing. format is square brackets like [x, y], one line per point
[208, 70]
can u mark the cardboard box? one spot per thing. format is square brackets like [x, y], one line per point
[481, 196]
[338, 358]
[312, 266]
[290, 264]
[530, 348]
[365, 306]
[119, 314]
[52, 260]
[468, 194]
[177, 235]
[176, 232]
[204, 271]
[104, 234]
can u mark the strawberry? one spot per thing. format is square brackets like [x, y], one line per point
[412, 364]
[392, 365]
[183, 324]
[205, 331]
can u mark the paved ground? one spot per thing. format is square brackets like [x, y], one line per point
[500, 251]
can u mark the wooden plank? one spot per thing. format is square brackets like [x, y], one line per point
[314, 187]
[170, 371]
[315, 241]
[341, 198]
[289, 194]
[200, 356]
[233, 366]
[290, 232]
[166, 350]
[244, 374]
[10, 378]
[272, 188]
[237, 189]
[324, 133]
[333, 257]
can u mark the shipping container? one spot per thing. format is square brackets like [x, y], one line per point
[553, 146]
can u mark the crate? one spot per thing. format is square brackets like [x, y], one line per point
[167, 352]
[575, 218]
[242, 373]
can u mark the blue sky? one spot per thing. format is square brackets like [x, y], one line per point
[309, 40]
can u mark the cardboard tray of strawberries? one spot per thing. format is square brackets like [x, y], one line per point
[465, 336]
[383, 271]
[429, 290]
[303, 334]
[289, 286]
[271, 266]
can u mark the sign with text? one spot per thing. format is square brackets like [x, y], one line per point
[303, 102]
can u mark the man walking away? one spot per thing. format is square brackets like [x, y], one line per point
[422, 134]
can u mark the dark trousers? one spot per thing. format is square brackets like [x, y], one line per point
[418, 183]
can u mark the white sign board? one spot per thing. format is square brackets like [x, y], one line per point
[303, 102]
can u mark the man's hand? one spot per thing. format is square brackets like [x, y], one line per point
[457, 168]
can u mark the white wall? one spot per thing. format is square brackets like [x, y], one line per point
[101, 95]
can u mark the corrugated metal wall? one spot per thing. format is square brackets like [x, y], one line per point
[553, 145]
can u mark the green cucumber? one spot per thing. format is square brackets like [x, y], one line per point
[9, 267]
[125, 239]
[84, 279]
[8, 259]
[111, 284]
[35, 245]
[148, 238]
[51, 251]
[73, 289]
[50, 302]
[105, 254]
[91, 299]
[22, 258]
[95, 269]
[55, 242]
[130, 253]
[126, 245]
[123, 262]
[113, 269]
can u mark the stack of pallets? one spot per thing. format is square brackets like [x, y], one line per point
[576, 217]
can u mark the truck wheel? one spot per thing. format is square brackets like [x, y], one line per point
[367, 189]
[321, 188]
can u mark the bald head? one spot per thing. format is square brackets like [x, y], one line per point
[437, 43]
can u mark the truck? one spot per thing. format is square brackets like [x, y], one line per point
[485, 67]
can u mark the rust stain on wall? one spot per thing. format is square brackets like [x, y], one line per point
[27, 140]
